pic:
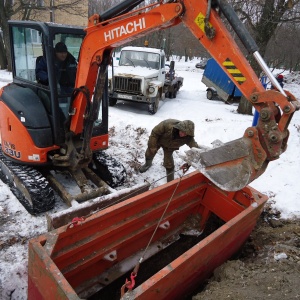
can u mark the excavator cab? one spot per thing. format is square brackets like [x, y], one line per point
[35, 123]
[47, 99]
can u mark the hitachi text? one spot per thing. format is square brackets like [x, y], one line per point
[124, 30]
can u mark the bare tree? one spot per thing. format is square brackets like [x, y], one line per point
[263, 18]
[189, 46]
[283, 49]
[5, 14]
[99, 6]
[27, 10]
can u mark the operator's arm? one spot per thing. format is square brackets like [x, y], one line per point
[192, 143]
[41, 71]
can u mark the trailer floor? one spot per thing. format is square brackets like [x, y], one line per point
[158, 261]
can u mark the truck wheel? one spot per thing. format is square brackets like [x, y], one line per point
[153, 107]
[209, 94]
[112, 101]
[175, 91]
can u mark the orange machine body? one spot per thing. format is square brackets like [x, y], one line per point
[13, 134]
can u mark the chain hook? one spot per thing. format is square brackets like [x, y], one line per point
[76, 221]
[129, 284]
[185, 167]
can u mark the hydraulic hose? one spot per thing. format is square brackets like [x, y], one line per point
[247, 40]
[119, 9]
[237, 26]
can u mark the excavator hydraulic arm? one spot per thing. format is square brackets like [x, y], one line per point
[235, 164]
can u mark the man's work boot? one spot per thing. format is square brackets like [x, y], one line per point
[146, 166]
[170, 174]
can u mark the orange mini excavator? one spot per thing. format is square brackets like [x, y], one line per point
[45, 131]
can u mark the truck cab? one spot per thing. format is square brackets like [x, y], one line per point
[150, 58]
[139, 77]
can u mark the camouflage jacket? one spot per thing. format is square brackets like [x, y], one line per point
[166, 135]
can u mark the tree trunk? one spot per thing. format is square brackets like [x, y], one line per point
[245, 107]
[185, 55]
[4, 44]
[7, 46]
[3, 59]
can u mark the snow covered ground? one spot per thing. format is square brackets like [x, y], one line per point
[130, 125]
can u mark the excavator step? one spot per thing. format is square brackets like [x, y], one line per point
[35, 188]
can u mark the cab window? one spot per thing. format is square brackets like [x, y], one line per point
[27, 45]
[72, 41]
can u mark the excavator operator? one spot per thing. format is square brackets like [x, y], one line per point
[65, 67]
[65, 71]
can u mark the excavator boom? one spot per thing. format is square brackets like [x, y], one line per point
[231, 166]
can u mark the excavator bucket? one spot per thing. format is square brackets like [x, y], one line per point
[167, 240]
[230, 166]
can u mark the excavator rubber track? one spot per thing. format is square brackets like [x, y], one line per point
[108, 169]
[29, 186]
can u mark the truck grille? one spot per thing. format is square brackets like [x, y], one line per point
[127, 84]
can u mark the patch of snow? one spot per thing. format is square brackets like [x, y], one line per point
[280, 256]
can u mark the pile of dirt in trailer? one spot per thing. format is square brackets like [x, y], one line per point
[268, 266]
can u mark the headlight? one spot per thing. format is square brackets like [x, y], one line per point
[151, 89]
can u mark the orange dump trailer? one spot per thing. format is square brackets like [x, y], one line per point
[164, 243]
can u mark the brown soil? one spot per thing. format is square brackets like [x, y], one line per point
[268, 266]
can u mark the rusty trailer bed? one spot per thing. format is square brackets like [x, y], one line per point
[76, 262]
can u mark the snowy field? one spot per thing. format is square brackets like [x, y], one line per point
[130, 125]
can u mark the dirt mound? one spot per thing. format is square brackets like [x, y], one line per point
[268, 266]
